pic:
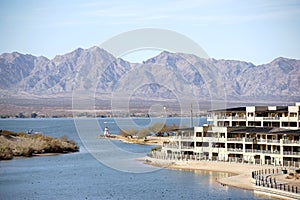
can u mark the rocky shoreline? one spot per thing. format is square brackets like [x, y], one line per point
[26, 145]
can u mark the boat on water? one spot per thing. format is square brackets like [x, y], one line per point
[30, 131]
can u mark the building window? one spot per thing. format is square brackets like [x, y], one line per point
[238, 123]
[198, 144]
[285, 124]
[293, 114]
[289, 124]
[251, 123]
[250, 114]
[293, 124]
[198, 134]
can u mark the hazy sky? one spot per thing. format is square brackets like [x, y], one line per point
[254, 31]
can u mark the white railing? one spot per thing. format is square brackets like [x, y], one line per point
[238, 117]
[268, 141]
[187, 137]
[187, 147]
[291, 163]
[248, 139]
[291, 153]
[261, 140]
[271, 118]
[291, 142]
[235, 139]
[261, 151]
[181, 156]
[224, 117]
[183, 137]
[171, 146]
[234, 150]
[273, 141]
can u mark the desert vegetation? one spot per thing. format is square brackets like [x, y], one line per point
[22, 144]
[159, 129]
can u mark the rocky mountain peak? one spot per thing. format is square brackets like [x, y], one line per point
[278, 79]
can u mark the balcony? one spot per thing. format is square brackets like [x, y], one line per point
[261, 151]
[234, 150]
[171, 146]
[249, 140]
[271, 118]
[234, 139]
[291, 142]
[291, 153]
[293, 119]
[183, 138]
[258, 119]
[187, 147]
[176, 146]
[224, 117]
[273, 141]
[268, 141]
[238, 118]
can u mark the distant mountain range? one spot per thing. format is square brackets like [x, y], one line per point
[164, 77]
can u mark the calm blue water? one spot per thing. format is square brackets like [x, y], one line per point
[81, 176]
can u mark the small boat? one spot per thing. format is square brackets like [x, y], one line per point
[29, 131]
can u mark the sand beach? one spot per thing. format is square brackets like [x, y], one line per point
[240, 173]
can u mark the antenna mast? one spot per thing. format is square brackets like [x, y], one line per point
[191, 122]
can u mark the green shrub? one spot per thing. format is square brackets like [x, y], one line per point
[128, 132]
[157, 148]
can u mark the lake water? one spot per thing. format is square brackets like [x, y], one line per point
[82, 176]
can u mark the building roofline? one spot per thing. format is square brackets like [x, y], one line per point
[236, 109]
[270, 130]
[257, 109]
[183, 129]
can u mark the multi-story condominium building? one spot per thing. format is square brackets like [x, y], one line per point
[286, 117]
[254, 134]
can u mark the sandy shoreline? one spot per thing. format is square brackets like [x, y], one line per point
[240, 173]
[151, 140]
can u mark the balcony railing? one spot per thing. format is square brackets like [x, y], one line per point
[183, 137]
[291, 142]
[234, 150]
[262, 140]
[224, 117]
[291, 153]
[271, 118]
[173, 146]
[235, 139]
[238, 117]
[261, 151]
[248, 139]
[187, 147]
[273, 141]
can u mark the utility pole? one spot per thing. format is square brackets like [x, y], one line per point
[191, 122]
